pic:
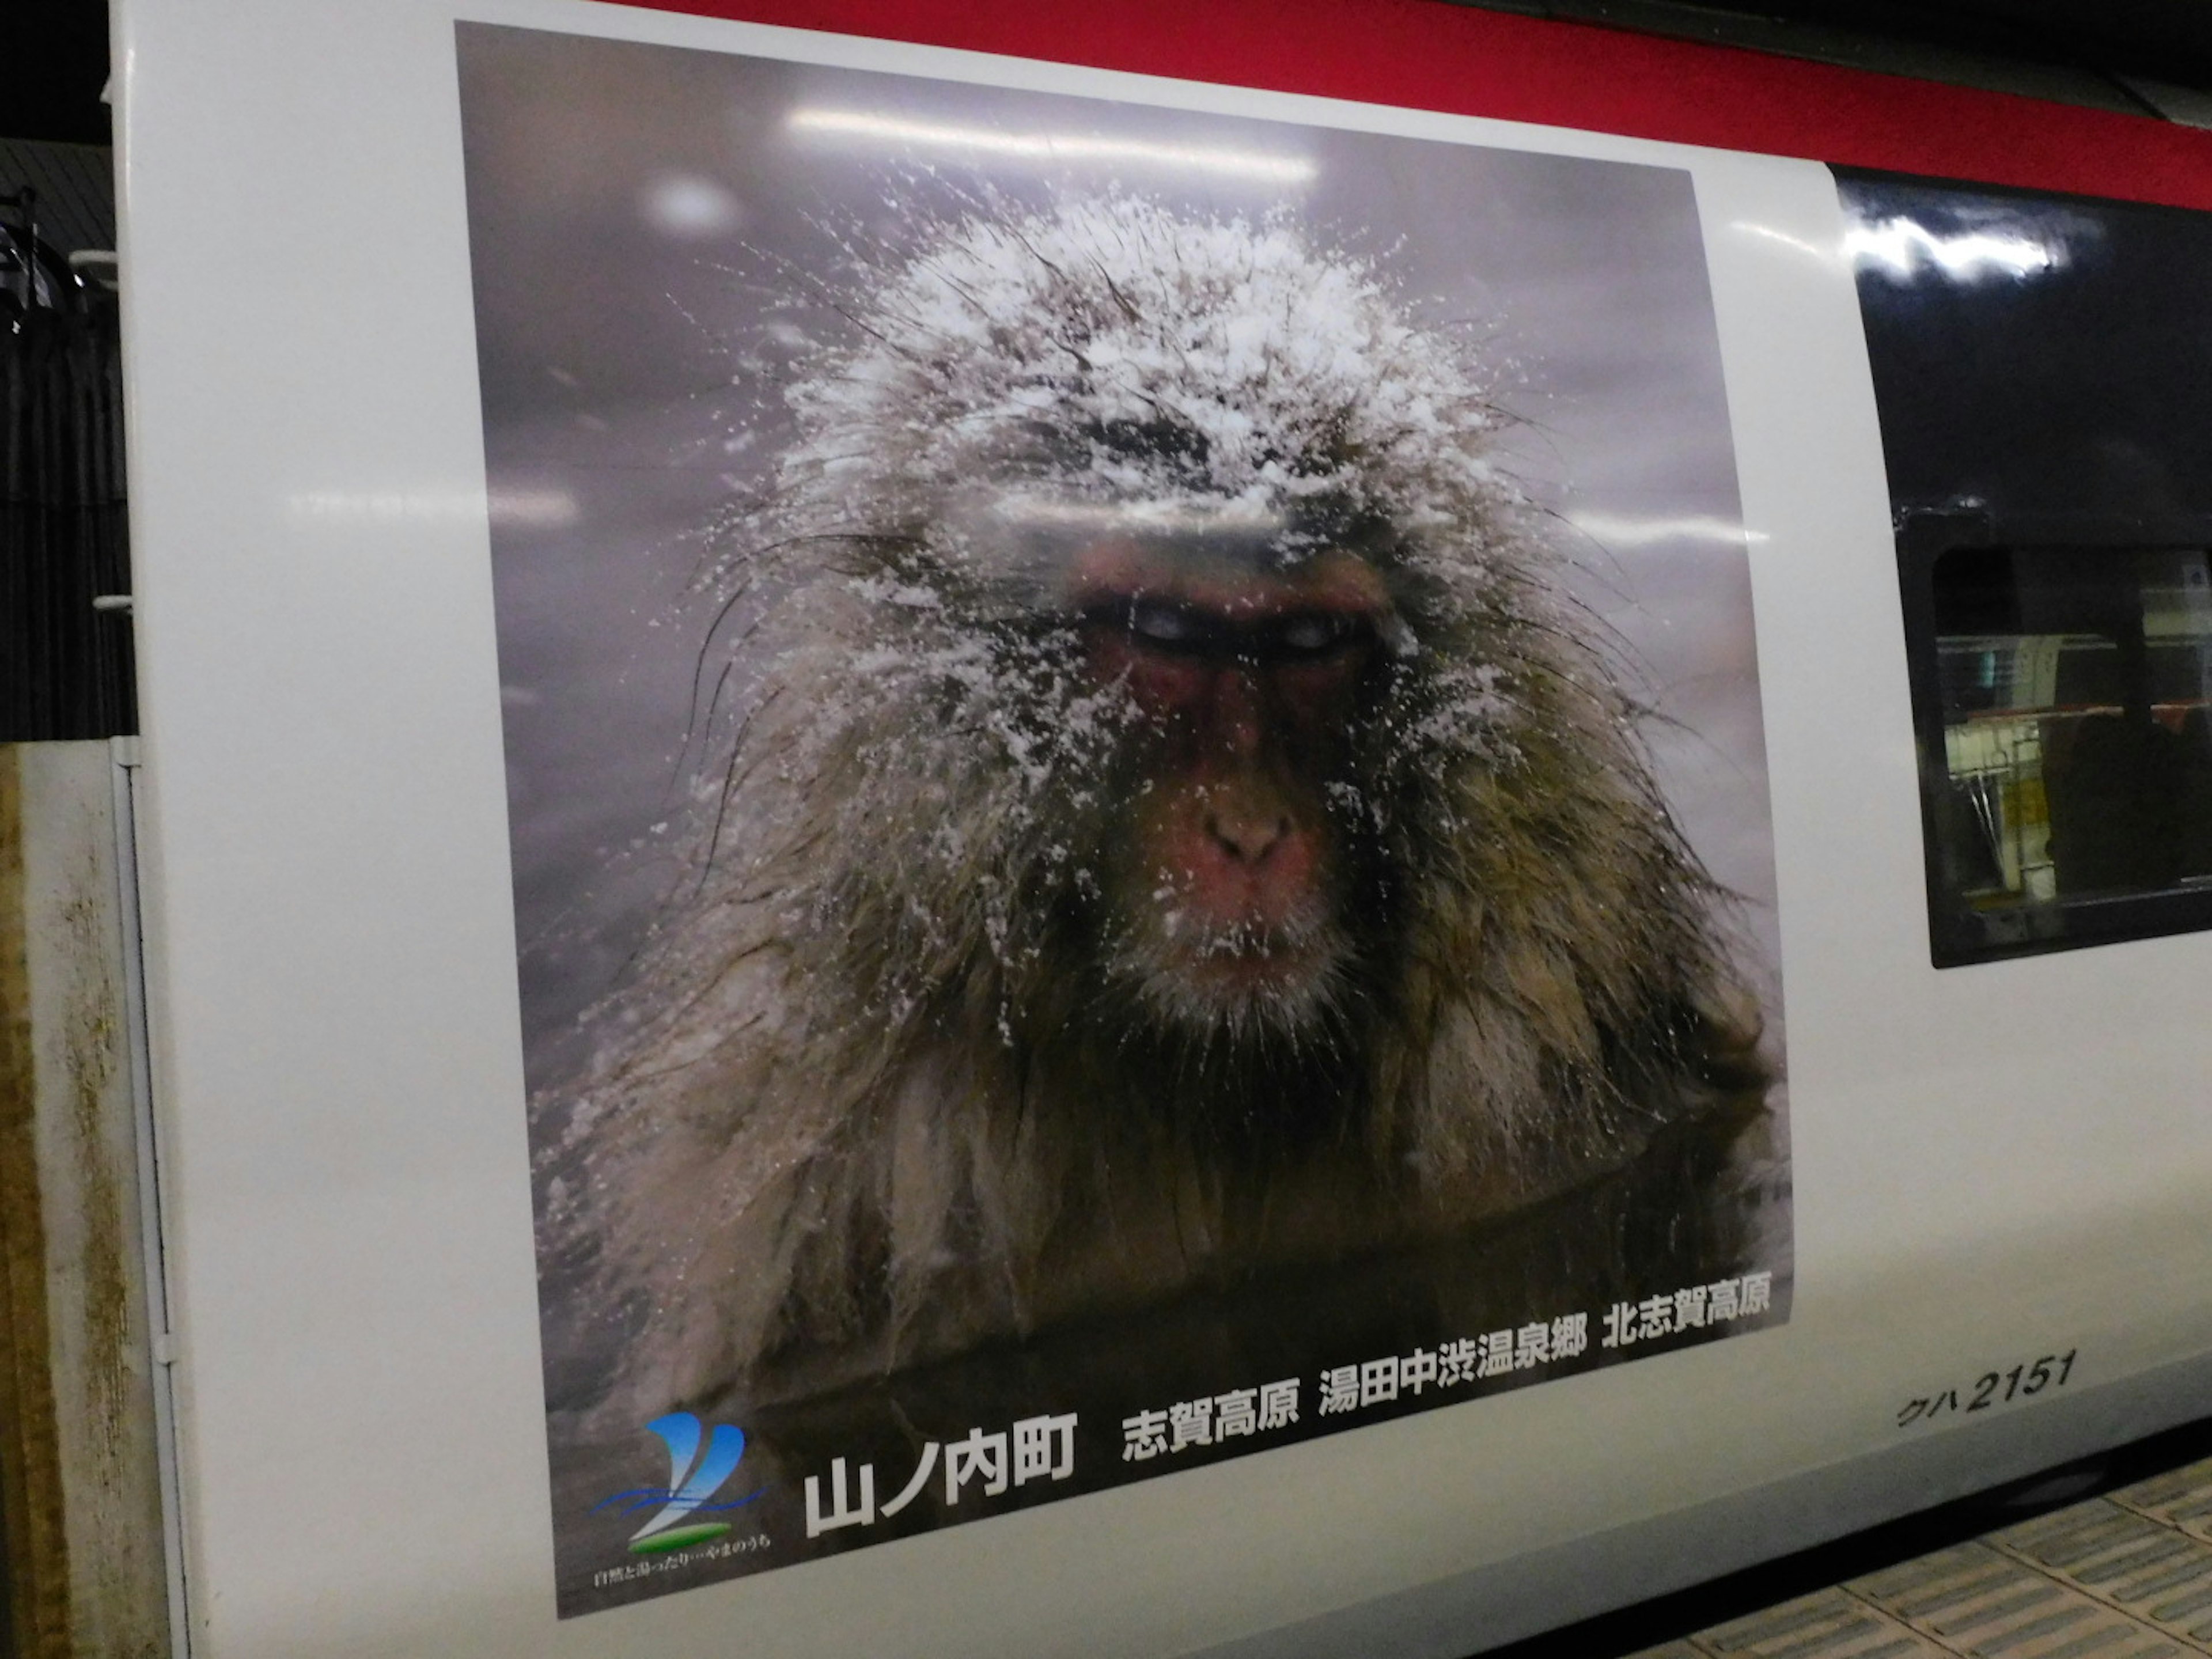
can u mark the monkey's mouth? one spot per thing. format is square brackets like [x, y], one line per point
[1215, 977]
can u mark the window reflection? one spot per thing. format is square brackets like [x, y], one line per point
[2074, 800]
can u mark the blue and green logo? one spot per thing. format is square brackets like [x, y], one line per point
[693, 1478]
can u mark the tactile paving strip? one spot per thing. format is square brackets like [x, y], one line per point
[2127, 1576]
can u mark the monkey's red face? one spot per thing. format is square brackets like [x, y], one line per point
[1248, 682]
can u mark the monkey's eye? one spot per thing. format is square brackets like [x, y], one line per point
[1316, 633]
[1157, 622]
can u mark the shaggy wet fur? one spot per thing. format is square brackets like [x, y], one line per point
[887, 1086]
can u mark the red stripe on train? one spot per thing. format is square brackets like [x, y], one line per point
[1426, 54]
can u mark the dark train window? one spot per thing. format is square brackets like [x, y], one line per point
[2061, 696]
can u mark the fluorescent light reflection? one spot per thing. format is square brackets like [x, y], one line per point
[1796, 243]
[1139, 517]
[1906, 247]
[689, 207]
[1621, 531]
[516, 509]
[1053, 146]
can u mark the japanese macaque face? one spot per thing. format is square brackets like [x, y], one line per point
[1246, 681]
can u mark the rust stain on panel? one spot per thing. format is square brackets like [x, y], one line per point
[30, 1471]
[88, 1149]
[84, 1507]
[110, 1377]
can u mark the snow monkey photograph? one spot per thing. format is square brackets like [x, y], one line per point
[1138, 799]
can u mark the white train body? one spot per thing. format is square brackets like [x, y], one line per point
[1931, 717]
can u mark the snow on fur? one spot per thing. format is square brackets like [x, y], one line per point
[852, 1109]
[1265, 375]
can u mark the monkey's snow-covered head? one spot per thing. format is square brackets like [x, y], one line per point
[1109, 364]
[1093, 473]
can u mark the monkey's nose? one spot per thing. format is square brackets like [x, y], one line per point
[1247, 840]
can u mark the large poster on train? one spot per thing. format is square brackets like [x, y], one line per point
[1138, 798]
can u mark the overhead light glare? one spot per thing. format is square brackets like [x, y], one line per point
[1053, 146]
[1797, 243]
[1623, 530]
[508, 508]
[1228, 518]
[1903, 247]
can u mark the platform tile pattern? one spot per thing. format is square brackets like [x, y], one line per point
[2127, 1576]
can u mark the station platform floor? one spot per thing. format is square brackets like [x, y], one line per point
[2126, 1575]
